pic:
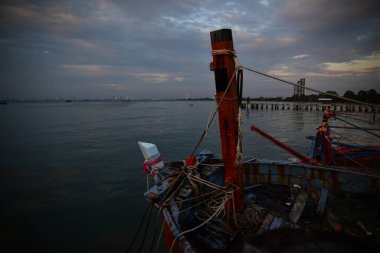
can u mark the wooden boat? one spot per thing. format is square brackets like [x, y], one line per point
[232, 204]
[328, 151]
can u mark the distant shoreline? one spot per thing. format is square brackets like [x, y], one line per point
[252, 100]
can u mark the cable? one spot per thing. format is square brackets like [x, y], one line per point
[214, 114]
[200, 225]
[239, 81]
[358, 127]
[159, 237]
[138, 230]
[307, 88]
[146, 230]
[155, 232]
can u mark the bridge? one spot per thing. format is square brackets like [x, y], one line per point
[308, 106]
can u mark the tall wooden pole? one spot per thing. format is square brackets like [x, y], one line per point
[223, 66]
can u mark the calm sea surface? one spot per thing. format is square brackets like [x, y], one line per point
[70, 173]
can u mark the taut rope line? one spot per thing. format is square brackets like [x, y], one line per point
[307, 88]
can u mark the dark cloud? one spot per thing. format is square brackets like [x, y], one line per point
[326, 15]
[161, 48]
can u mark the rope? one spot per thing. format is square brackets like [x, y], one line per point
[252, 216]
[239, 75]
[307, 88]
[188, 199]
[213, 115]
[159, 237]
[239, 155]
[352, 160]
[345, 138]
[233, 207]
[138, 230]
[155, 232]
[354, 118]
[205, 182]
[198, 204]
[358, 127]
[214, 204]
[354, 128]
[239, 81]
[166, 198]
[227, 52]
[146, 230]
[200, 225]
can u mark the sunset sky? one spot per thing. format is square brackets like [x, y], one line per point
[161, 48]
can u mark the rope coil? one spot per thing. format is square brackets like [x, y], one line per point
[227, 52]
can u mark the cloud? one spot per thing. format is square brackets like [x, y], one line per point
[258, 42]
[156, 78]
[265, 3]
[309, 74]
[115, 86]
[85, 44]
[291, 74]
[325, 14]
[133, 73]
[88, 69]
[363, 65]
[300, 56]
[56, 17]
[143, 46]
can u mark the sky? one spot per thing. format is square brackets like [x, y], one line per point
[161, 49]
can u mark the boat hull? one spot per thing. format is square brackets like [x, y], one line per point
[272, 180]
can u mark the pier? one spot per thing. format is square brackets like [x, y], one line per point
[308, 106]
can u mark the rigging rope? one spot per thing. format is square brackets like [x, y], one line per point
[239, 74]
[253, 215]
[372, 133]
[200, 225]
[146, 230]
[352, 160]
[354, 128]
[166, 198]
[351, 141]
[307, 88]
[198, 204]
[354, 118]
[155, 232]
[159, 237]
[138, 229]
[193, 198]
[239, 154]
[214, 114]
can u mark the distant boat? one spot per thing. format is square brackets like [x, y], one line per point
[68, 100]
[3, 102]
[191, 104]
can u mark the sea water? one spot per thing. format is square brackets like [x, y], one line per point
[71, 173]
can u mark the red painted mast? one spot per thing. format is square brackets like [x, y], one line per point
[223, 66]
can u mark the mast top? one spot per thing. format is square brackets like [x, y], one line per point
[221, 35]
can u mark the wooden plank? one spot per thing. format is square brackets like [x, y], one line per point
[299, 205]
[266, 223]
[322, 201]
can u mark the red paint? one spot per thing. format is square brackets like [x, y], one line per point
[169, 238]
[224, 68]
[300, 156]
[191, 161]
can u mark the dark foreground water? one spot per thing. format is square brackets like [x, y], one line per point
[70, 173]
